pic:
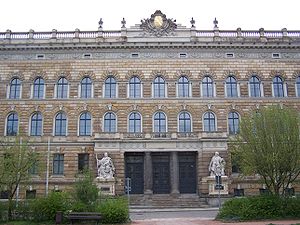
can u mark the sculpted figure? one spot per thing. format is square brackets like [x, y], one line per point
[105, 167]
[217, 165]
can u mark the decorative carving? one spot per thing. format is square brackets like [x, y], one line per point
[123, 22]
[158, 25]
[215, 23]
[193, 22]
[100, 23]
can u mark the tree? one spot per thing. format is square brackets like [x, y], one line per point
[16, 158]
[268, 144]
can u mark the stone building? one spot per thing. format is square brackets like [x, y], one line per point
[161, 98]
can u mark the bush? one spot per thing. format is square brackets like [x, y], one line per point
[3, 211]
[44, 209]
[114, 210]
[260, 207]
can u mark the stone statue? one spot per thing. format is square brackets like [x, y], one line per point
[217, 165]
[105, 167]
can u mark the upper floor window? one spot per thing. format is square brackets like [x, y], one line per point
[15, 89]
[160, 123]
[184, 122]
[38, 88]
[85, 124]
[278, 89]
[60, 124]
[233, 122]
[298, 86]
[110, 88]
[110, 123]
[62, 90]
[36, 124]
[58, 164]
[209, 122]
[207, 87]
[135, 122]
[255, 87]
[86, 88]
[135, 87]
[231, 87]
[183, 87]
[12, 124]
[159, 87]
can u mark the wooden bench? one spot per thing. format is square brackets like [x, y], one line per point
[73, 216]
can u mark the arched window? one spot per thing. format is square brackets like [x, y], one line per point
[278, 87]
[209, 122]
[38, 88]
[62, 88]
[160, 125]
[207, 87]
[231, 87]
[110, 123]
[233, 122]
[86, 88]
[85, 124]
[60, 124]
[255, 90]
[298, 86]
[183, 87]
[184, 121]
[15, 89]
[135, 87]
[36, 124]
[159, 87]
[12, 124]
[135, 122]
[110, 87]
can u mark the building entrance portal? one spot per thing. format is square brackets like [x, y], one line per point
[161, 173]
[187, 173]
[134, 170]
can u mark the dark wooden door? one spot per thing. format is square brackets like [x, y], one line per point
[187, 172]
[161, 173]
[134, 170]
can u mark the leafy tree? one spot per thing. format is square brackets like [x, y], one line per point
[86, 193]
[268, 144]
[16, 158]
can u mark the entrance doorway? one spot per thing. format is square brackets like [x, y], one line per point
[134, 169]
[187, 172]
[161, 173]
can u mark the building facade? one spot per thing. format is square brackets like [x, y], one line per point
[160, 98]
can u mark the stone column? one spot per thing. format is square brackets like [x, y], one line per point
[148, 174]
[174, 172]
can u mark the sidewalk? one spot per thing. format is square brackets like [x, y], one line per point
[199, 221]
[189, 216]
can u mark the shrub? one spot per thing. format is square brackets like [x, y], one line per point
[3, 211]
[260, 207]
[114, 210]
[44, 209]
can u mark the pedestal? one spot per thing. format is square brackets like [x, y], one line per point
[213, 188]
[106, 186]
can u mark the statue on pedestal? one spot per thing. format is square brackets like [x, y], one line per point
[105, 167]
[217, 165]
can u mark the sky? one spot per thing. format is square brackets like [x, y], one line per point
[67, 15]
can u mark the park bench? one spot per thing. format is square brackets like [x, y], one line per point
[83, 216]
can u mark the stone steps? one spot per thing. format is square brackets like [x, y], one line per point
[168, 201]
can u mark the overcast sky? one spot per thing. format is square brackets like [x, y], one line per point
[67, 15]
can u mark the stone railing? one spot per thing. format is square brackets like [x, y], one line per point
[54, 34]
[163, 135]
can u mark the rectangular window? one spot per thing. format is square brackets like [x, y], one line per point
[33, 170]
[58, 164]
[30, 194]
[83, 161]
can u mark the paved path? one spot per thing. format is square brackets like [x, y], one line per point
[188, 217]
